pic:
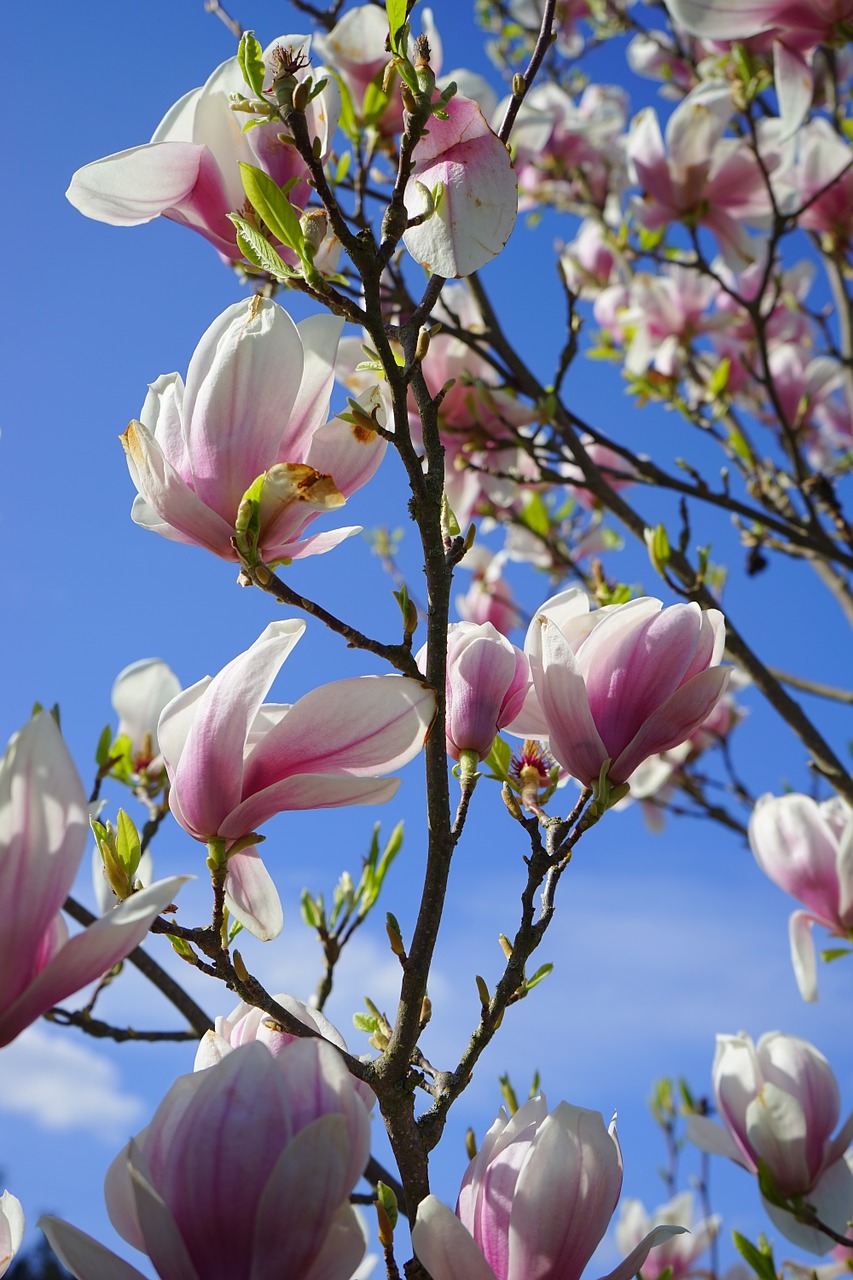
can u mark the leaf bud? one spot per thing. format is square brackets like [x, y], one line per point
[519, 85]
[506, 945]
[409, 99]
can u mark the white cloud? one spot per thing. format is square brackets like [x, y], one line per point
[62, 1085]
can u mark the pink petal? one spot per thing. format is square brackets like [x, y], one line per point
[674, 722]
[241, 385]
[350, 454]
[251, 895]
[794, 85]
[444, 1246]
[310, 1173]
[164, 1243]
[361, 726]
[43, 833]
[573, 737]
[170, 498]
[88, 955]
[137, 185]
[803, 953]
[84, 1257]
[207, 779]
[306, 791]
[478, 208]
[634, 1262]
[320, 336]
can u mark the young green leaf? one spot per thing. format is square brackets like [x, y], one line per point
[273, 206]
[249, 56]
[256, 249]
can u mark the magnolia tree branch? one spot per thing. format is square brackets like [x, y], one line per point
[164, 982]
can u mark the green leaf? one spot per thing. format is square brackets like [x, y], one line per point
[761, 1260]
[102, 751]
[535, 515]
[396, 10]
[719, 379]
[249, 56]
[498, 759]
[388, 1200]
[375, 102]
[365, 1022]
[834, 953]
[539, 976]
[344, 165]
[127, 844]
[121, 753]
[310, 914]
[273, 206]
[256, 249]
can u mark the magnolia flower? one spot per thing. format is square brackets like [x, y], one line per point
[535, 1202]
[233, 763]
[489, 598]
[43, 832]
[139, 694]
[462, 165]
[797, 31]
[681, 1251]
[243, 1172]
[617, 685]
[695, 175]
[779, 1102]
[11, 1229]
[807, 849]
[189, 171]
[246, 1024]
[487, 680]
[254, 404]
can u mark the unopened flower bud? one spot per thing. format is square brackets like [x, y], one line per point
[314, 225]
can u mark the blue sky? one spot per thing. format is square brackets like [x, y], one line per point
[659, 942]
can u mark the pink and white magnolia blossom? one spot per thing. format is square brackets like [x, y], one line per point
[680, 1252]
[617, 685]
[570, 154]
[806, 849]
[462, 164]
[535, 1202]
[234, 761]
[246, 1024]
[797, 30]
[589, 261]
[693, 174]
[44, 827]
[489, 598]
[487, 680]
[254, 403]
[823, 181]
[189, 172]
[242, 1174]
[11, 1229]
[665, 313]
[779, 1102]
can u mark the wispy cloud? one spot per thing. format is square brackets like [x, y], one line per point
[61, 1086]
